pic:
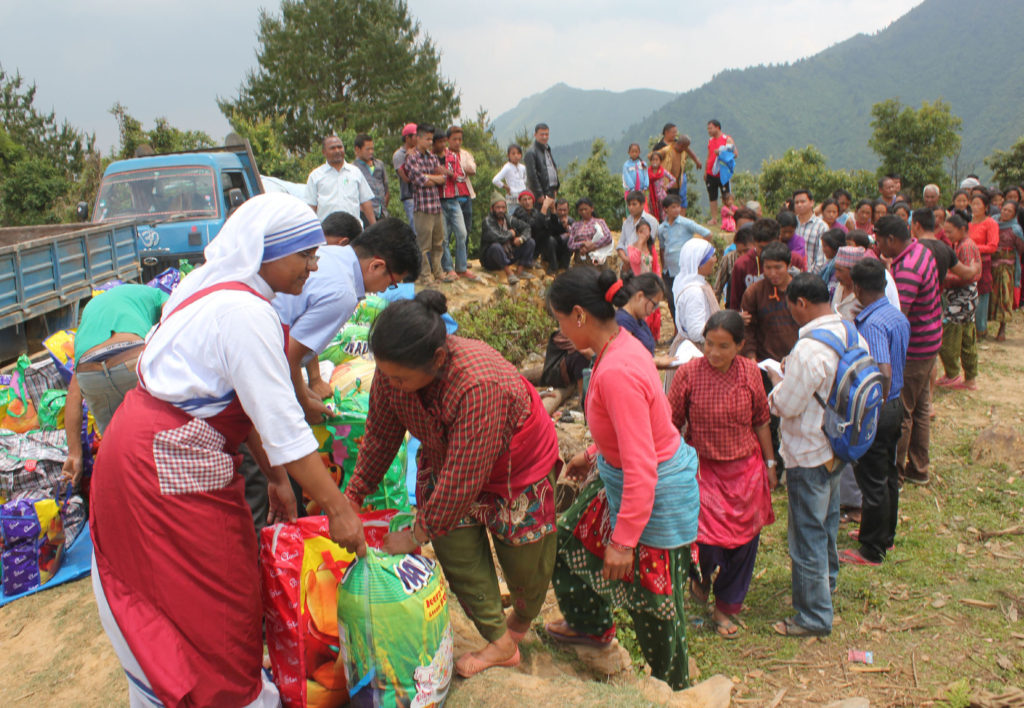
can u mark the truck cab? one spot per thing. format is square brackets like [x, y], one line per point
[179, 201]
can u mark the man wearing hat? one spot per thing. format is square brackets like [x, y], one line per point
[505, 242]
[547, 244]
[398, 161]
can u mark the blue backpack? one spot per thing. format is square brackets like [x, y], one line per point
[853, 406]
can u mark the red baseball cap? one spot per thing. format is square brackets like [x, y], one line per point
[409, 129]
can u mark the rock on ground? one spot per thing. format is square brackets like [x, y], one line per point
[998, 443]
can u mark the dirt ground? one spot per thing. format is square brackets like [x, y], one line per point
[942, 616]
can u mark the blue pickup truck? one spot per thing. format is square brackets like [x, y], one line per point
[179, 201]
[150, 212]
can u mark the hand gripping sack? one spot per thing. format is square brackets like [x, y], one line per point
[855, 401]
[301, 567]
[395, 633]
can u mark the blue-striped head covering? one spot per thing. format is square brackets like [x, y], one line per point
[265, 228]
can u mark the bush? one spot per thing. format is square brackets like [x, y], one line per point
[515, 326]
[806, 169]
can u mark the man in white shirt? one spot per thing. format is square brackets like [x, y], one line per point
[810, 228]
[338, 186]
[812, 479]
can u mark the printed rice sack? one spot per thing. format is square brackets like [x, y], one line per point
[340, 438]
[368, 309]
[301, 568]
[352, 342]
[353, 374]
[395, 636]
[61, 346]
[33, 543]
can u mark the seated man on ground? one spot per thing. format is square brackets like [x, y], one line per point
[505, 243]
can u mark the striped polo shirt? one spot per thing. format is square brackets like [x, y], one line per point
[917, 281]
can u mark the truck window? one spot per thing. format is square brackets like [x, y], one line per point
[233, 180]
[168, 192]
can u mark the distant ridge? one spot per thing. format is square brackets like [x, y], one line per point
[968, 55]
[578, 114]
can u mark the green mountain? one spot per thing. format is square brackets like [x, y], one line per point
[964, 54]
[577, 114]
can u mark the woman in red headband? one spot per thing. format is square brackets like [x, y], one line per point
[625, 540]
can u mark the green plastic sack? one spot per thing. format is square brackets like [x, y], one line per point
[51, 409]
[351, 342]
[346, 431]
[368, 309]
[394, 632]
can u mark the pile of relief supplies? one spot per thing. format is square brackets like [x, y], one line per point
[41, 515]
[341, 630]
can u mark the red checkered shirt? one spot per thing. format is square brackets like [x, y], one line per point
[425, 194]
[464, 421]
[719, 410]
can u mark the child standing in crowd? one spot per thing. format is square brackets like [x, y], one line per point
[675, 231]
[512, 176]
[728, 211]
[634, 172]
[643, 258]
[959, 335]
[659, 181]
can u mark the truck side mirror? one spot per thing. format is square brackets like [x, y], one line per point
[235, 198]
[82, 211]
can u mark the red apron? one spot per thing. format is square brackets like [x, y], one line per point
[176, 548]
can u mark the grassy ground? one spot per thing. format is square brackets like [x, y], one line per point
[942, 616]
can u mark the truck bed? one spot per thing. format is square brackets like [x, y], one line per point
[43, 268]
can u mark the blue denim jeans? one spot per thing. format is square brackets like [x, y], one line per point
[407, 204]
[813, 526]
[466, 204]
[453, 224]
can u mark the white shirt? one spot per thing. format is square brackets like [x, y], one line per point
[230, 341]
[514, 176]
[810, 369]
[628, 236]
[329, 190]
[327, 300]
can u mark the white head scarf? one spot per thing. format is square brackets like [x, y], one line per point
[265, 228]
[695, 253]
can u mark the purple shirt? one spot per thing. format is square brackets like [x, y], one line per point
[796, 244]
[917, 281]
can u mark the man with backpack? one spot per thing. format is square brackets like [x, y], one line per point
[812, 481]
[887, 332]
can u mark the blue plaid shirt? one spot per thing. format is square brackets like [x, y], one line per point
[887, 332]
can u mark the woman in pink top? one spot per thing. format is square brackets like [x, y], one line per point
[984, 231]
[625, 540]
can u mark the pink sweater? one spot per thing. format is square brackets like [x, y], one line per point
[631, 421]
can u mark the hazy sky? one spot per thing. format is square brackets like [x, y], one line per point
[174, 59]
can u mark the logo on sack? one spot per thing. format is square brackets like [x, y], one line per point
[434, 603]
[414, 572]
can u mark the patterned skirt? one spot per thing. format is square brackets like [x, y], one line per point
[1000, 307]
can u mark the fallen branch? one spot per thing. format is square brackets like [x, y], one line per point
[913, 665]
[871, 669]
[979, 603]
[1017, 530]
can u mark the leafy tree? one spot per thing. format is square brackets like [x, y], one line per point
[163, 138]
[744, 187]
[40, 134]
[335, 65]
[1008, 165]
[272, 157]
[914, 143]
[30, 190]
[592, 179]
[807, 169]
